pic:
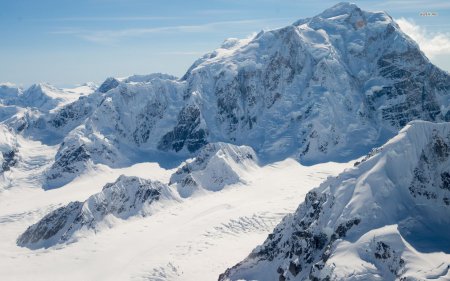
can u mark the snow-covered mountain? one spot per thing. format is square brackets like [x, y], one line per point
[42, 96]
[330, 87]
[26, 111]
[127, 196]
[9, 94]
[23, 114]
[215, 166]
[101, 128]
[388, 218]
[325, 88]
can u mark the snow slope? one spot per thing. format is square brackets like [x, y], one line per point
[388, 218]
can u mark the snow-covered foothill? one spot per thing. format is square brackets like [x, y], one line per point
[215, 166]
[126, 197]
[104, 130]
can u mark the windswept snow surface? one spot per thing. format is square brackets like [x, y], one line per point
[196, 239]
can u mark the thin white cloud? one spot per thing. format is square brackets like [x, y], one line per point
[107, 19]
[207, 12]
[431, 43]
[182, 53]
[107, 36]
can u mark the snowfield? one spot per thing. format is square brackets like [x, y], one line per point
[196, 239]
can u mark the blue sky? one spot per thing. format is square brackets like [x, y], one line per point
[67, 42]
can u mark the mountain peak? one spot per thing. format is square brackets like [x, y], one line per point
[340, 8]
[108, 84]
[348, 15]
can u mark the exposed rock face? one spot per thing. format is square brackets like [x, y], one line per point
[8, 160]
[432, 169]
[215, 166]
[8, 149]
[74, 113]
[187, 133]
[68, 163]
[378, 216]
[109, 84]
[127, 196]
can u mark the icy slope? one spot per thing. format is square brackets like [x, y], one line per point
[126, 197]
[378, 221]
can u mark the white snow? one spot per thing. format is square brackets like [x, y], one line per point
[394, 207]
[193, 240]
